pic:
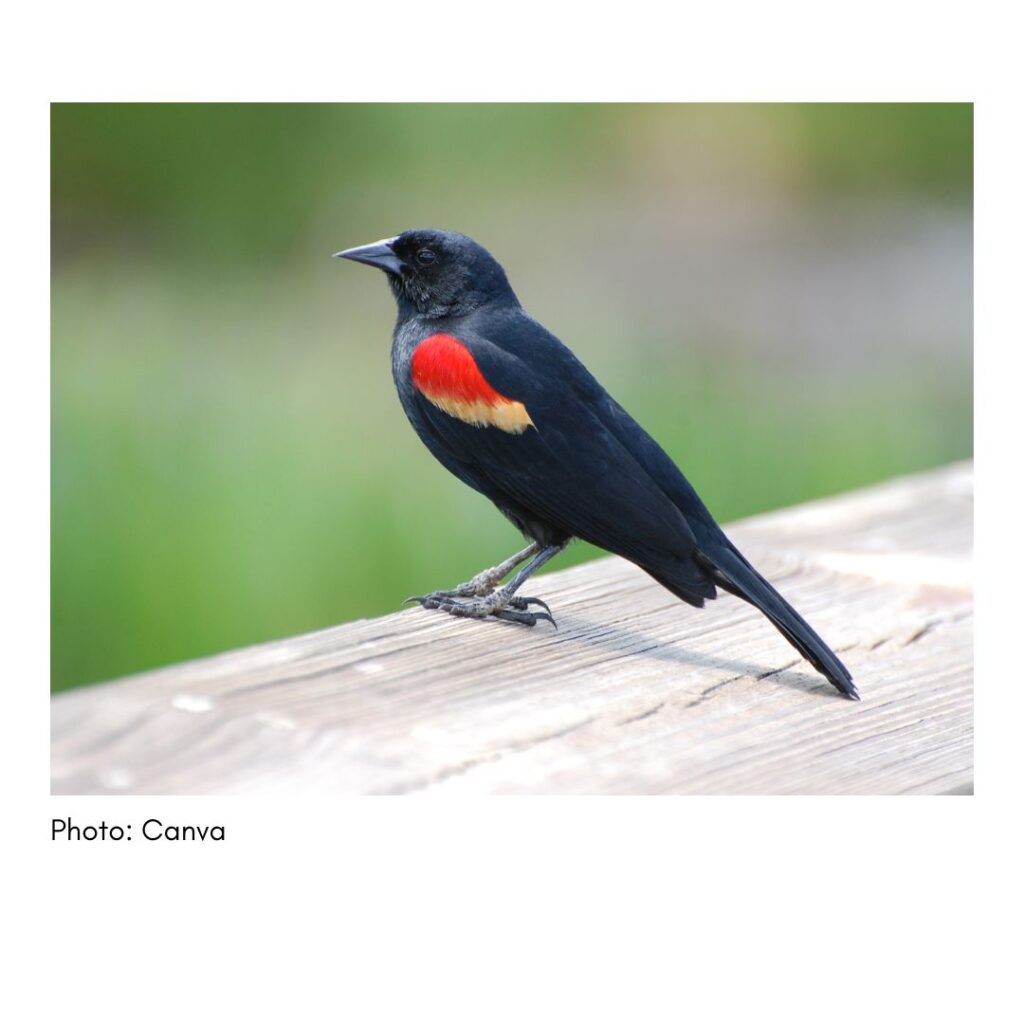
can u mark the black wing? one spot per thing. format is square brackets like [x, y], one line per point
[568, 469]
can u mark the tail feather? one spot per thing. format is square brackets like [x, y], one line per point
[732, 572]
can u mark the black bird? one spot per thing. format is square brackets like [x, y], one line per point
[508, 409]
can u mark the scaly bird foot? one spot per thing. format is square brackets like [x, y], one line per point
[499, 603]
[479, 586]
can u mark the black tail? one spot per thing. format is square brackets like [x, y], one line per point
[732, 572]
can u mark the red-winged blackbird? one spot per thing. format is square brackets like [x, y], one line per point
[508, 409]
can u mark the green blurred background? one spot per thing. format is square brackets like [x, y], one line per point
[781, 294]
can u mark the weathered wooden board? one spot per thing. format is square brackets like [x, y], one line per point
[634, 693]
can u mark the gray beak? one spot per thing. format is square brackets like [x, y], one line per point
[377, 254]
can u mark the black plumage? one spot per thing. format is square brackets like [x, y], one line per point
[511, 411]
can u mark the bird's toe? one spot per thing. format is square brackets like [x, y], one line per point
[522, 603]
[525, 618]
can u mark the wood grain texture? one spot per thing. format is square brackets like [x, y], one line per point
[634, 693]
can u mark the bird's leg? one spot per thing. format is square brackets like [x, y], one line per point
[503, 602]
[483, 582]
[513, 607]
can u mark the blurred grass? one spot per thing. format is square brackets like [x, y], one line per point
[229, 460]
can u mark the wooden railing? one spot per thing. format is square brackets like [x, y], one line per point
[634, 693]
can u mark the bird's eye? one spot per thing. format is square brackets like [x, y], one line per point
[425, 257]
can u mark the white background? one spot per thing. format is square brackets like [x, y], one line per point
[513, 909]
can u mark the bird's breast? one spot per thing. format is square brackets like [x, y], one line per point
[444, 371]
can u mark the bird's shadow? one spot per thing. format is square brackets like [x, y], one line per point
[626, 641]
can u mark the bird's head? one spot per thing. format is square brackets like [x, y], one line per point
[436, 273]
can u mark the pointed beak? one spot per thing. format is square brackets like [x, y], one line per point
[377, 254]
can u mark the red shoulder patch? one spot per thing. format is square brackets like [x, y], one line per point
[445, 373]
